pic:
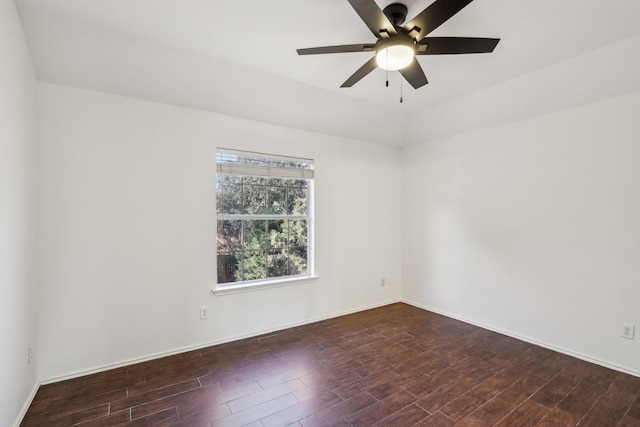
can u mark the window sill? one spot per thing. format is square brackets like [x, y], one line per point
[220, 290]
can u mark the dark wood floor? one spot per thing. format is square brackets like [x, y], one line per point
[393, 366]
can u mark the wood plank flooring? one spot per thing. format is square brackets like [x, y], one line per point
[392, 366]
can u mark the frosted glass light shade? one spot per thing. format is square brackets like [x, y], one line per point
[394, 54]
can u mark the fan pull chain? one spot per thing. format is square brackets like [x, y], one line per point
[387, 70]
[401, 78]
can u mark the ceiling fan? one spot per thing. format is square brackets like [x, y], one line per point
[398, 44]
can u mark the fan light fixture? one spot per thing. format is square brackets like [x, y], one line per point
[395, 53]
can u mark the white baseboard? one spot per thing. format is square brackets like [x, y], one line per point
[26, 405]
[159, 355]
[527, 339]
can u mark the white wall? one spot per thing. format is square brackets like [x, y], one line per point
[532, 228]
[17, 160]
[127, 231]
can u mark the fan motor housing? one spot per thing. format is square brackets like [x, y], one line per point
[396, 13]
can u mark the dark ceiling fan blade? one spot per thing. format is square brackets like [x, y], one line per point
[435, 15]
[414, 75]
[337, 49]
[368, 67]
[455, 45]
[373, 17]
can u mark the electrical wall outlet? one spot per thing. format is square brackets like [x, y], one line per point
[30, 354]
[204, 312]
[627, 330]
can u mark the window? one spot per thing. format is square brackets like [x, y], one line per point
[264, 218]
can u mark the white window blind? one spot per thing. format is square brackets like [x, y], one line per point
[247, 163]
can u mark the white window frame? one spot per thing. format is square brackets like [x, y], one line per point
[240, 169]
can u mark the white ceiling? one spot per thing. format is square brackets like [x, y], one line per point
[239, 58]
